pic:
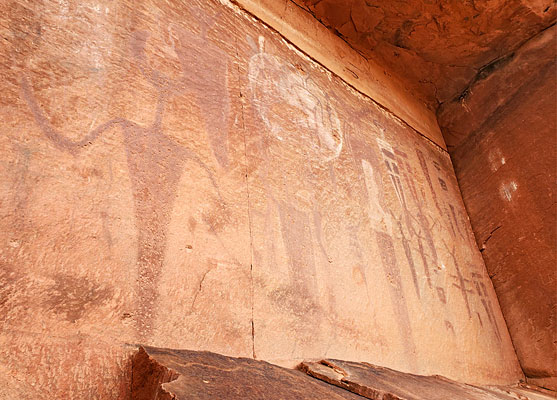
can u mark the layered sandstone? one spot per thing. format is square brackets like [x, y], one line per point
[184, 374]
[178, 175]
[439, 46]
[502, 136]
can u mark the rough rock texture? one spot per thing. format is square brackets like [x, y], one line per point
[502, 136]
[167, 374]
[438, 45]
[175, 174]
[368, 76]
[373, 382]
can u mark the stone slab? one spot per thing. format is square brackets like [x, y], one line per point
[374, 382]
[181, 374]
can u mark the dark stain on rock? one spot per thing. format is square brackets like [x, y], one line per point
[297, 302]
[73, 297]
[24, 24]
[217, 218]
[9, 278]
[192, 224]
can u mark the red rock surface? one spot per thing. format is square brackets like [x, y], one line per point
[176, 174]
[182, 374]
[374, 382]
[502, 136]
[439, 46]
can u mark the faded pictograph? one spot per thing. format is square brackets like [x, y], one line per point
[155, 160]
[399, 215]
[447, 212]
[393, 162]
[301, 134]
[417, 228]
[507, 190]
[457, 277]
[447, 208]
[477, 280]
[385, 223]
[439, 269]
[496, 159]
[311, 113]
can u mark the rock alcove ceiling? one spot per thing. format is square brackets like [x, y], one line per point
[438, 47]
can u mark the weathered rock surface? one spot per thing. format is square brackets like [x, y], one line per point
[373, 382]
[175, 174]
[182, 374]
[502, 136]
[438, 45]
[368, 76]
[159, 373]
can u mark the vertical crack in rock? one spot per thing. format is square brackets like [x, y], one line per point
[249, 203]
[199, 290]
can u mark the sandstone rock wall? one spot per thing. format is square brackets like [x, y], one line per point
[178, 175]
[438, 46]
[502, 136]
[375, 79]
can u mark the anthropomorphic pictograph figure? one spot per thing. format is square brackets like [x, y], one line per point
[385, 227]
[155, 160]
[470, 287]
[302, 137]
[403, 218]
